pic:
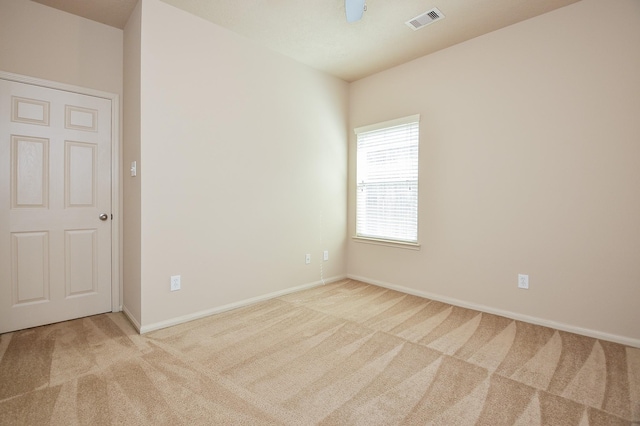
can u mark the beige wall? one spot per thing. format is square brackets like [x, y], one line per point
[529, 163]
[132, 292]
[242, 168]
[43, 42]
[529, 153]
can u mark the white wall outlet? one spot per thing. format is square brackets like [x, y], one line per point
[523, 281]
[175, 282]
[326, 255]
[134, 169]
[307, 259]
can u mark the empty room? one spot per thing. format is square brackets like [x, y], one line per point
[320, 212]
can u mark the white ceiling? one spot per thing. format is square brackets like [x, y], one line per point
[315, 32]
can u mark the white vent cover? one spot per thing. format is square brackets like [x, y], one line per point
[425, 19]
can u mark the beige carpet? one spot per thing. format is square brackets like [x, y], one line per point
[344, 353]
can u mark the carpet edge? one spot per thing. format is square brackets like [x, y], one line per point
[623, 340]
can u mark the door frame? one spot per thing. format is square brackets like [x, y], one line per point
[116, 181]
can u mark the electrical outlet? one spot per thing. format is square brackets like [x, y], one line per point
[326, 255]
[523, 281]
[307, 259]
[175, 282]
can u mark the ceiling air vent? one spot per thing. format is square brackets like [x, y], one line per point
[425, 19]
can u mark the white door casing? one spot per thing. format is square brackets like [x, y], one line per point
[56, 177]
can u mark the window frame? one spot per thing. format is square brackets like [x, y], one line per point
[391, 242]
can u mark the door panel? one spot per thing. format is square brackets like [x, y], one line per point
[30, 267]
[55, 181]
[29, 172]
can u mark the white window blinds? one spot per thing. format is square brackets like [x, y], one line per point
[387, 180]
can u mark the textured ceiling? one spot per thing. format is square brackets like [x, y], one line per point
[315, 32]
[114, 13]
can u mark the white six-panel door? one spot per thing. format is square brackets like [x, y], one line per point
[55, 182]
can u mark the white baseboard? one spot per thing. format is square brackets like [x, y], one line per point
[513, 315]
[131, 318]
[228, 307]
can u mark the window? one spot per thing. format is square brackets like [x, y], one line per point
[387, 180]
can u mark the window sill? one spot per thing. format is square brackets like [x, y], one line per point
[387, 243]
